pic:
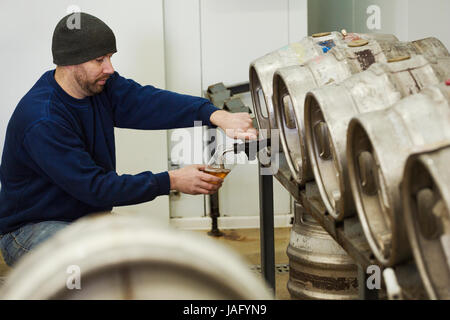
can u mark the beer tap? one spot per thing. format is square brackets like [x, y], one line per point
[251, 147]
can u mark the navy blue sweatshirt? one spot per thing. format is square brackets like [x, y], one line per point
[59, 159]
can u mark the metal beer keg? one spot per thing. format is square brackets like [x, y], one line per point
[328, 111]
[262, 69]
[319, 268]
[291, 84]
[378, 146]
[426, 209]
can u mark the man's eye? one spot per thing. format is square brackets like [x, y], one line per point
[99, 60]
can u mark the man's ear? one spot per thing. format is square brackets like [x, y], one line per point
[64, 68]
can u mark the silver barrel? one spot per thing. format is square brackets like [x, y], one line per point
[290, 85]
[328, 111]
[125, 257]
[319, 267]
[262, 69]
[379, 144]
[426, 208]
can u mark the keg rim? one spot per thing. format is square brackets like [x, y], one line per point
[336, 212]
[421, 161]
[279, 82]
[365, 214]
[256, 86]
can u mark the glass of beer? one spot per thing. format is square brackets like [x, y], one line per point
[217, 171]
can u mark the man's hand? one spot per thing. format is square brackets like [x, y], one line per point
[236, 125]
[192, 180]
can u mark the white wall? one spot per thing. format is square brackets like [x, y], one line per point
[429, 18]
[407, 19]
[298, 19]
[235, 32]
[27, 28]
[210, 41]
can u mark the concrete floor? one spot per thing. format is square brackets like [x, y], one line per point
[246, 243]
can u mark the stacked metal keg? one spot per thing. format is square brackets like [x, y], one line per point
[133, 257]
[368, 118]
[263, 69]
[318, 267]
[426, 209]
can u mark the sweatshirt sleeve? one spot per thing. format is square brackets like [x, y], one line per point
[146, 107]
[59, 154]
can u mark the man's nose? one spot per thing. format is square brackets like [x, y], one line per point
[107, 66]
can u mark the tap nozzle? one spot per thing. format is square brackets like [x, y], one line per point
[251, 147]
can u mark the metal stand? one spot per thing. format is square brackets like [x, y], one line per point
[214, 202]
[266, 210]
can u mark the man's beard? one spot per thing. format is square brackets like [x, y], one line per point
[90, 88]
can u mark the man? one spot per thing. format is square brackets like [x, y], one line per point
[58, 161]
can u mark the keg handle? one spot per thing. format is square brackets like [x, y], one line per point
[250, 147]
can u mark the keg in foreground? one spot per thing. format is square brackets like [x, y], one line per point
[291, 84]
[328, 111]
[379, 144]
[123, 257]
[262, 69]
[319, 268]
[426, 208]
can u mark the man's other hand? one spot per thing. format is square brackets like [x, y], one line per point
[192, 180]
[236, 125]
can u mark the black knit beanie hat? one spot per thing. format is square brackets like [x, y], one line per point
[80, 37]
